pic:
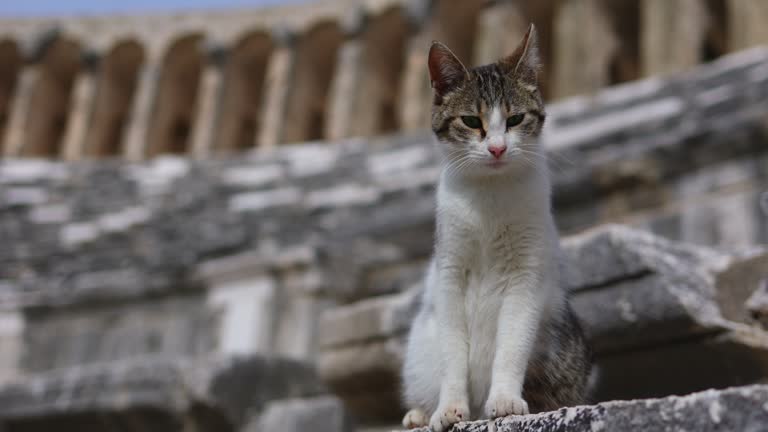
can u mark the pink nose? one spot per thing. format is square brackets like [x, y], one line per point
[497, 151]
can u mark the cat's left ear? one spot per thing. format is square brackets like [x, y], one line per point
[525, 62]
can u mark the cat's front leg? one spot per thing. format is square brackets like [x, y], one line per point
[516, 334]
[450, 314]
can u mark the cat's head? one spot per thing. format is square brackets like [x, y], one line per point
[487, 119]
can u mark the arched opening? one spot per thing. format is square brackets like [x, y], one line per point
[715, 42]
[174, 109]
[384, 50]
[46, 121]
[239, 114]
[117, 85]
[456, 26]
[10, 66]
[625, 22]
[314, 68]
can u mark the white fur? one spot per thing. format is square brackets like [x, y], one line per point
[491, 283]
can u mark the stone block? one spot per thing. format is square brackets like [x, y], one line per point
[11, 344]
[71, 337]
[153, 394]
[650, 308]
[258, 201]
[246, 314]
[741, 285]
[734, 409]
[320, 414]
[296, 334]
[368, 320]
[252, 176]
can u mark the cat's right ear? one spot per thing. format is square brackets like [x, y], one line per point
[445, 70]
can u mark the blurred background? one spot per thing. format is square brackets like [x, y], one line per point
[215, 215]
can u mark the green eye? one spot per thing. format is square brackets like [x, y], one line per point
[515, 120]
[472, 121]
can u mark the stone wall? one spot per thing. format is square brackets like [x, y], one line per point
[212, 83]
[655, 313]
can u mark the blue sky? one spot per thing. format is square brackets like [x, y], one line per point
[31, 8]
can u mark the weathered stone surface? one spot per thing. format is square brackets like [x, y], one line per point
[738, 283]
[632, 288]
[654, 311]
[672, 44]
[11, 344]
[159, 220]
[583, 62]
[183, 325]
[745, 19]
[160, 394]
[366, 377]
[321, 414]
[739, 409]
[368, 320]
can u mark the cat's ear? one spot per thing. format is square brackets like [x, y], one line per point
[525, 62]
[445, 70]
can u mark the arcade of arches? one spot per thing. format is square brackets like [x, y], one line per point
[334, 79]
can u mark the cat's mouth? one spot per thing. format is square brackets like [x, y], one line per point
[495, 164]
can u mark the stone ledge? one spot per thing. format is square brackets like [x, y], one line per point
[215, 394]
[735, 409]
[652, 309]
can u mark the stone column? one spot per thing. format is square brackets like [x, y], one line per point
[137, 124]
[347, 79]
[747, 23]
[209, 95]
[81, 107]
[672, 34]
[415, 93]
[11, 345]
[584, 44]
[342, 97]
[15, 134]
[500, 29]
[277, 82]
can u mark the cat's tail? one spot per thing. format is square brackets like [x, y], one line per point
[593, 380]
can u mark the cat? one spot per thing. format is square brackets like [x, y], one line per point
[494, 335]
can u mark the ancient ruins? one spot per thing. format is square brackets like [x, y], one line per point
[219, 221]
[218, 82]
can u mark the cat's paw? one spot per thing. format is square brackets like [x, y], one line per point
[415, 418]
[449, 414]
[501, 405]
